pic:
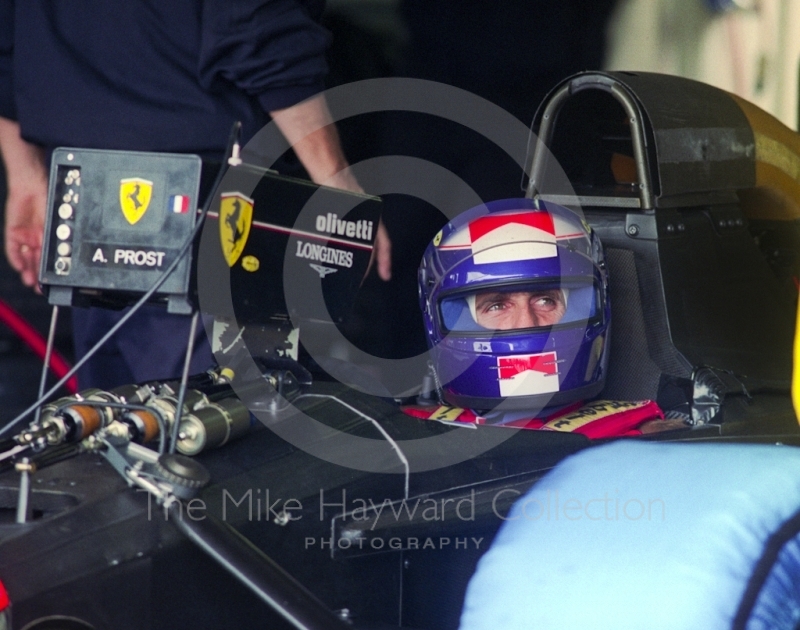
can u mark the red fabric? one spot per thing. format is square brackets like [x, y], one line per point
[595, 420]
[37, 343]
[4, 601]
[606, 418]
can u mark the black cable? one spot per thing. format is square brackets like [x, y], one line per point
[42, 459]
[55, 455]
[233, 140]
[173, 442]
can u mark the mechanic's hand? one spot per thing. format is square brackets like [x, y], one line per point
[26, 176]
[383, 253]
[310, 131]
[24, 230]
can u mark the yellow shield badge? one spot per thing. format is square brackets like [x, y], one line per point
[235, 216]
[134, 197]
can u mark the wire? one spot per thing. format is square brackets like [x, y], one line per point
[173, 444]
[232, 141]
[51, 337]
[395, 446]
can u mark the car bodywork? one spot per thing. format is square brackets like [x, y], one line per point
[356, 521]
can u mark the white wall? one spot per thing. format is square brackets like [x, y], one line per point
[753, 52]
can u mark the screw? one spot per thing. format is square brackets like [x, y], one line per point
[633, 229]
[25, 466]
[343, 614]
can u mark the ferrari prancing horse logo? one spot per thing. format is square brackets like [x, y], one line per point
[235, 217]
[134, 197]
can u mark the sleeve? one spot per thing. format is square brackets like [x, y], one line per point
[7, 106]
[648, 535]
[272, 49]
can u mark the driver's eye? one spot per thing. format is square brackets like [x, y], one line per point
[544, 303]
[494, 306]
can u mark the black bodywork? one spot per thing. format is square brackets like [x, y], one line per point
[101, 552]
[109, 555]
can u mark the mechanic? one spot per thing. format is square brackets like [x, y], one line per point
[515, 303]
[154, 76]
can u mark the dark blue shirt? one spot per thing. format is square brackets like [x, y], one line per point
[155, 75]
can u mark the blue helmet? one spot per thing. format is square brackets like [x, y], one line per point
[514, 295]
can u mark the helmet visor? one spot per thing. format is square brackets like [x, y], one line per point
[520, 307]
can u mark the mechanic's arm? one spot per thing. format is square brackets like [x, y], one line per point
[321, 153]
[26, 177]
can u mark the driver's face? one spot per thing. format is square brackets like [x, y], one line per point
[499, 310]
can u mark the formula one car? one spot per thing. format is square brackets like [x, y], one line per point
[168, 505]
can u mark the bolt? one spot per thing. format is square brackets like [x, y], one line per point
[670, 228]
[343, 614]
[282, 518]
[25, 466]
[633, 229]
